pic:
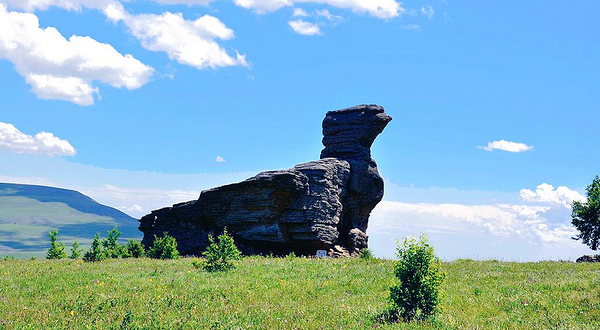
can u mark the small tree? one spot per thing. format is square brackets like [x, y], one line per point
[133, 249]
[164, 247]
[586, 216]
[95, 253]
[112, 249]
[57, 249]
[419, 277]
[75, 251]
[220, 255]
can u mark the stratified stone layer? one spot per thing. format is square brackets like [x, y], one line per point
[316, 205]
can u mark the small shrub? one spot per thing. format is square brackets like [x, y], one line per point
[133, 249]
[57, 249]
[220, 255]
[164, 247]
[95, 253]
[366, 254]
[112, 249]
[419, 277]
[291, 256]
[198, 264]
[75, 251]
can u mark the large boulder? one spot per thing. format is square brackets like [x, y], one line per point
[313, 206]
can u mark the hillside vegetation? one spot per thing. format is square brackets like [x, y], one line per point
[28, 213]
[288, 293]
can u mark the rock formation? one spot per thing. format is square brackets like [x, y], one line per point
[319, 205]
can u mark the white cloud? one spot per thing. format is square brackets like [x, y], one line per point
[62, 69]
[414, 27]
[507, 146]
[220, 159]
[188, 42]
[507, 231]
[378, 8]
[428, 11]
[305, 28]
[545, 193]
[31, 5]
[43, 143]
[142, 200]
[299, 12]
[133, 209]
[329, 16]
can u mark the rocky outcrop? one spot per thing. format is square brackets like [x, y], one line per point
[588, 258]
[319, 205]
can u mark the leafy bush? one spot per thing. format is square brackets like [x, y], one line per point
[111, 247]
[164, 247]
[366, 254]
[220, 255]
[419, 277]
[75, 251]
[95, 253]
[133, 249]
[57, 249]
[198, 264]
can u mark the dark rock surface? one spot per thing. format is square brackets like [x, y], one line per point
[588, 258]
[319, 205]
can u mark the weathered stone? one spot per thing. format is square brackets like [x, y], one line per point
[588, 258]
[312, 206]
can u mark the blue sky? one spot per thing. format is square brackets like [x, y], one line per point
[490, 101]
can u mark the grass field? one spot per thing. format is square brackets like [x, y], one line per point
[279, 293]
[28, 213]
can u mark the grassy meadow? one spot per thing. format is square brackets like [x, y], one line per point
[288, 293]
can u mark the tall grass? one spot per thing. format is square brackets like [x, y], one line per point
[287, 293]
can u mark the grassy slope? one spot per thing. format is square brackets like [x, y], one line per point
[28, 212]
[274, 293]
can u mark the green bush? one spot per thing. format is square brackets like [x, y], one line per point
[419, 278]
[366, 254]
[57, 249]
[164, 247]
[220, 255]
[133, 249]
[111, 247]
[95, 253]
[75, 251]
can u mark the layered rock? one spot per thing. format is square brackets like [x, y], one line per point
[316, 205]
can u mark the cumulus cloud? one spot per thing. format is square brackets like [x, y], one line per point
[133, 209]
[507, 146]
[505, 221]
[378, 8]
[61, 69]
[31, 5]
[545, 193]
[305, 28]
[220, 159]
[299, 12]
[43, 143]
[188, 42]
[142, 200]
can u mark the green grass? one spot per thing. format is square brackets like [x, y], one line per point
[278, 293]
[25, 223]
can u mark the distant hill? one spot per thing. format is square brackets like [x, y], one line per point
[29, 212]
